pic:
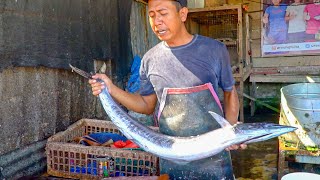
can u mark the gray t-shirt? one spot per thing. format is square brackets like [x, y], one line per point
[203, 60]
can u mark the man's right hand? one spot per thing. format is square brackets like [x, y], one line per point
[98, 86]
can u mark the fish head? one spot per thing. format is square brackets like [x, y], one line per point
[256, 132]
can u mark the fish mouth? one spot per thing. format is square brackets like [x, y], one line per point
[282, 130]
[254, 139]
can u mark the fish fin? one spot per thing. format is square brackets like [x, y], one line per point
[222, 121]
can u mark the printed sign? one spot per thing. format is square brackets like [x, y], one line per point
[290, 27]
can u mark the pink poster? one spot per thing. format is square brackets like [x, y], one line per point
[290, 27]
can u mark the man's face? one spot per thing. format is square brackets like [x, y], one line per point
[165, 20]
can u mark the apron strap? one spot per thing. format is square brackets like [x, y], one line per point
[214, 94]
[162, 103]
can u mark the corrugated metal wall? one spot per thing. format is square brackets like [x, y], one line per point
[52, 34]
[56, 33]
[142, 36]
[37, 102]
[39, 94]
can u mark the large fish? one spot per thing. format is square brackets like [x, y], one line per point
[186, 149]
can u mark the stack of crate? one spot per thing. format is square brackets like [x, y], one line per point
[68, 159]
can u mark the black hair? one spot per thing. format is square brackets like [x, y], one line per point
[178, 5]
[175, 2]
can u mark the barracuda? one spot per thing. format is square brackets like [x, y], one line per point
[186, 149]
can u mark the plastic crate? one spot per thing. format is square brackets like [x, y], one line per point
[67, 159]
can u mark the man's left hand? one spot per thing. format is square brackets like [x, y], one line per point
[236, 147]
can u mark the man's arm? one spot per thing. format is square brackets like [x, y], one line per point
[231, 108]
[134, 102]
[231, 105]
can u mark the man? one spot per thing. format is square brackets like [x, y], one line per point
[183, 73]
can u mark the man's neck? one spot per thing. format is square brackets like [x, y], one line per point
[183, 39]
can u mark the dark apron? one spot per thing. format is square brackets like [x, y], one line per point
[184, 112]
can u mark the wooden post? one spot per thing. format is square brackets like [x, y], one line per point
[108, 69]
[207, 27]
[253, 94]
[241, 101]
[281, 161]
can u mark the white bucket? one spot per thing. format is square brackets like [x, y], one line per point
[301, 176]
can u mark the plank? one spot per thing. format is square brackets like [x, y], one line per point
[283, 78]
[192, 10]
[291, 70]
[286, 61]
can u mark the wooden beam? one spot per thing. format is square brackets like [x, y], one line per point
[286, 61]
[214, 8]
[291, 70]
[247, 71]
[244, 75]
[283, 78]
[262, 103]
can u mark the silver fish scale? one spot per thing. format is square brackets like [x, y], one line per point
[132, 124]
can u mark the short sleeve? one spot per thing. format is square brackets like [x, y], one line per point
[226, 80]
[146, 87]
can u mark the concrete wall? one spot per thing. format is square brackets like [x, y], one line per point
[38, 102]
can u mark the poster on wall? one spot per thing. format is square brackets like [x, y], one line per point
[290, 27]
